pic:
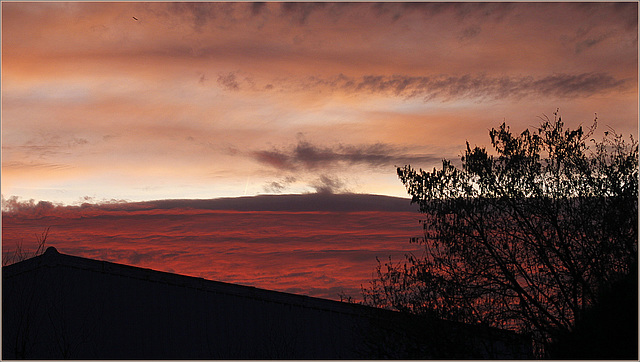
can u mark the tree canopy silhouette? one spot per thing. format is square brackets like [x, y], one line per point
[525, 237]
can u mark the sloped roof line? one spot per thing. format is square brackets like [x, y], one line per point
[52, 258]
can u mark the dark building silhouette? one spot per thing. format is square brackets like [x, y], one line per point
[59, 306]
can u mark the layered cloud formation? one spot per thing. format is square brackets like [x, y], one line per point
[151, 100]
[317, 245]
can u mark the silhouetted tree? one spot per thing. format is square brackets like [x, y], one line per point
[524, 238]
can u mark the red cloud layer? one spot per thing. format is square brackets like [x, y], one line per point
[315, 253]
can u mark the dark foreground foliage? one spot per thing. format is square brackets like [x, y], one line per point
[608, 330]
[528, 237]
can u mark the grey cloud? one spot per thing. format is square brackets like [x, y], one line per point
[229, 81]
[567, 85]
[33, 165]
[588, 43]
[344, 202]
[311, 157]
[460, 10]
[591, 41]
[472, 86]
[470, 32]
[615, 23]
[279, 186]
[274, 187]
[484, 10]
[323, 184]
[256, 7]
[619, 12]
[274, 158]
[77, 142]
[628, 14]
[382, 9]
[201, 13]
[44, 147]
[14, 205]
[300, 12]
[493, 12]
[329, 185]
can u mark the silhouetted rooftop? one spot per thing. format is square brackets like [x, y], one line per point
[63, 306]
[51, 257]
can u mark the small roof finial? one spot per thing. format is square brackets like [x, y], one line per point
[51, 250]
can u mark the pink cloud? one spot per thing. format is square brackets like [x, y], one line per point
[315, 252]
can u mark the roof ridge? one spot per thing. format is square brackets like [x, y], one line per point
[52, 258]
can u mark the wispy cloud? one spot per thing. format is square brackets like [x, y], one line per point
[309, 156]
[279, 186]
[228, 81]
[441, 87]
[300, 12]
[447, 87]
[33, 165]
[329, 185]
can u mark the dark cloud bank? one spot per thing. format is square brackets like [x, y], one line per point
[327, 202]
[293, 203]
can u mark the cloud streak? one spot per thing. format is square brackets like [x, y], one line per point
[308, 156]
[449, 87]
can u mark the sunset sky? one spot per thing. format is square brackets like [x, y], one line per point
[297, 244]
[110, 103]
[204, 100]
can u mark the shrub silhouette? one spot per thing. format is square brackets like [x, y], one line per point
[608, 330]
